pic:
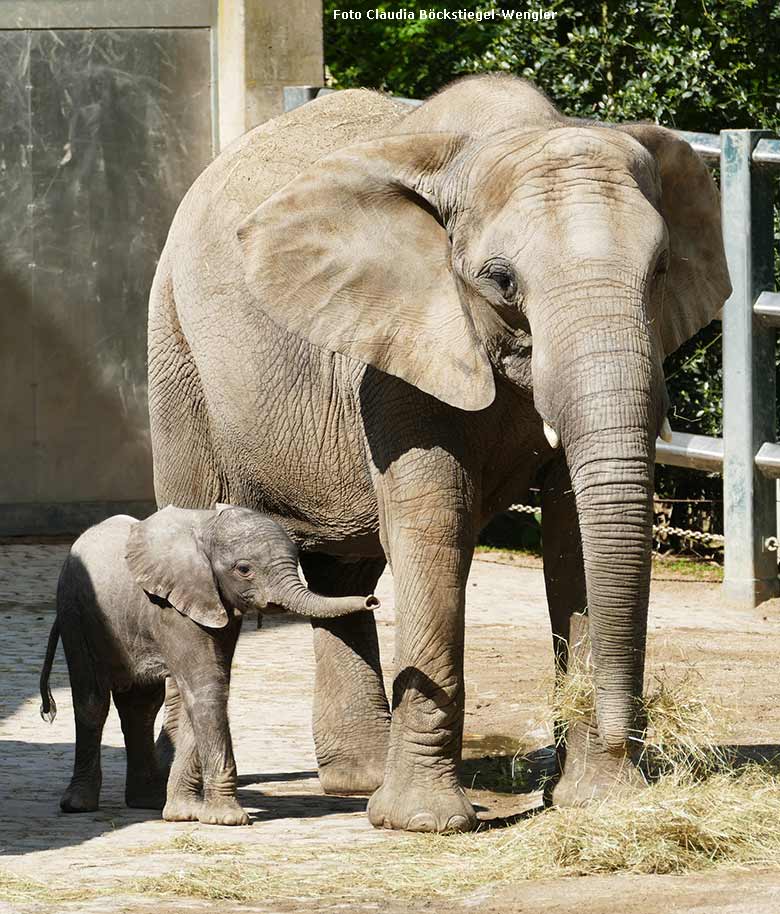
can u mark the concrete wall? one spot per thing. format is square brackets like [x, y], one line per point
[103, 130]
[264, 46]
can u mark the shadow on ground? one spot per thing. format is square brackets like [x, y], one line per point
[33, 775]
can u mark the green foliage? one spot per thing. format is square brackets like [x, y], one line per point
[690, 64]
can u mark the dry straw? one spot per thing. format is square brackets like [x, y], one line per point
[705, 811]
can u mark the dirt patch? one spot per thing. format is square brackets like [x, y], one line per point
[106, 856]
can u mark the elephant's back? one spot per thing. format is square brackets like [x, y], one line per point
[263, 160]
[279, 414]
[202, 262]
[202, 252]
[97, 557]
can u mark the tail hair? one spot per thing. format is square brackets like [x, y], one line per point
[48, 704]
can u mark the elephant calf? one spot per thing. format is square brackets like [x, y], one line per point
[139, 601]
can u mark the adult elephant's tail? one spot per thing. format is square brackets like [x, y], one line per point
[48, 704]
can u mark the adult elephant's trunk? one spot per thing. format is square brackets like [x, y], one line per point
[612, 482]
[606, 398]
[288, 591]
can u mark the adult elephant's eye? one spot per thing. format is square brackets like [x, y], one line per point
[244, 569]
[502, 276]
[662, 264]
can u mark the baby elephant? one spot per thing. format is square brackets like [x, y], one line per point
[140, 600]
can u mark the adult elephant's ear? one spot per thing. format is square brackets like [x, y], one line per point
[166, 556]
[353, 256]
[697, 283]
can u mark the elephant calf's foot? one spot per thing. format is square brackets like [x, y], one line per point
[355, 776]
[222, 811]
[80, 797]
[431, 809]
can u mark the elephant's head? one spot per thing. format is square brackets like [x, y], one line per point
[496, 238]
[206, 562]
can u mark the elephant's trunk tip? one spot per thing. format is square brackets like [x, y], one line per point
[372, 602]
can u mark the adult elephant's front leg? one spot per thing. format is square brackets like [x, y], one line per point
[351, 717]
[428, 534]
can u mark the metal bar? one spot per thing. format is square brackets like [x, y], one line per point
[767, 308]
[295, 96]
[706, 144]
[412, 102]
[107, 14]
[768, 460]
[695, 452]
[750, 574]
[767, 152]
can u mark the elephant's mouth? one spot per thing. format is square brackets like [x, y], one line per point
[254, 599]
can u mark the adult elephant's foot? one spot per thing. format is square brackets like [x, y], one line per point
[183, 807]
[590, 772]
[430, 809]
[222, 811]
[353, 775]
[80, 796]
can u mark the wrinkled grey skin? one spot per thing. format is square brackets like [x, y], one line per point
[367, 348]
[141, 601]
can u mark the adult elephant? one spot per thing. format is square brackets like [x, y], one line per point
[385, 348]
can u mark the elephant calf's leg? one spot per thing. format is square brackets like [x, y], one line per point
[351, 716]
[145, 782]
[185, 781]
[206, 710]
[90, 706]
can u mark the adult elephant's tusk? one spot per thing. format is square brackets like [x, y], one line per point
[666, 431]
[552, 436]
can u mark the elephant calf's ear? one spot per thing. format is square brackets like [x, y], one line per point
[352, 255]
[697, 282]
[166, 557]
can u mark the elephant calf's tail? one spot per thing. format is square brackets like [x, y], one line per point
[48, 705]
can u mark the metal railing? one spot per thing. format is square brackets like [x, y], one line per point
[747, 455]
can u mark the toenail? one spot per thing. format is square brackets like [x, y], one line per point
[458, 823]
[423, 821]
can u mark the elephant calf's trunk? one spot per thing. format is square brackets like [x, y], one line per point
[299, 599]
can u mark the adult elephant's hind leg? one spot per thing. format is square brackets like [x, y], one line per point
[351, 717]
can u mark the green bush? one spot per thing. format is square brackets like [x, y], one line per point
[689, 64]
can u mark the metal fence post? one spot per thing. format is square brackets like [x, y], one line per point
[295, 96]
[748, 373]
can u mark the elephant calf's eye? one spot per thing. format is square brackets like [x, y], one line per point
[244, 569]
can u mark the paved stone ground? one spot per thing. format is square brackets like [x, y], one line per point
[508, 676]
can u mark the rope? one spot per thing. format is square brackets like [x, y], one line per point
[661, 532]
